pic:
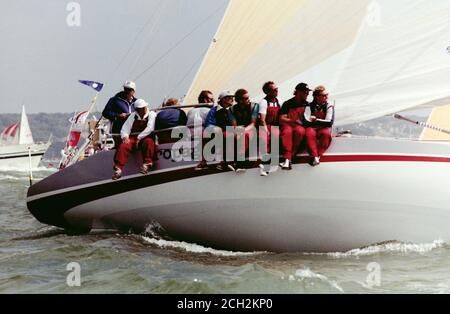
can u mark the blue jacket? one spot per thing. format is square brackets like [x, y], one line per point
[115, 106]
[211, 117]
[169, 118]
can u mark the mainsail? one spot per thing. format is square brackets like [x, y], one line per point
[375, 57]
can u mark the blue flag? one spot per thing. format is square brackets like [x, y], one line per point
[95, 85]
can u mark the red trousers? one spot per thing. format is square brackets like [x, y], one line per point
[318, 141]
[291, 139]
[146, 146]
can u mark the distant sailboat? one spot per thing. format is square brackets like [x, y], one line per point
[17, 147]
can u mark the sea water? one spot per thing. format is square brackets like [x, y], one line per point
[35, 258]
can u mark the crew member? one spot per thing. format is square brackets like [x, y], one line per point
[120, 107]
[243, 114]
[291, 120]
[269, 118]
[319, 119]
[136, 135]
[168, 118]
[218, 117]
[197, 117]
[200, 113]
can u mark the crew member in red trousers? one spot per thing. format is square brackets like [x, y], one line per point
[291, 120]
[319, 118]
[135, 135]
[269, 117]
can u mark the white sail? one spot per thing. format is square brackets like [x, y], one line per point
[375, 57]
[19, 151]
[25, 136]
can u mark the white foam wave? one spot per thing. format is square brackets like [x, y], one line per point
[389, 247]
[195, 248]
[307, 273]
[27, 169]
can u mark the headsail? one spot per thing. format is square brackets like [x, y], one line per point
[375, 57]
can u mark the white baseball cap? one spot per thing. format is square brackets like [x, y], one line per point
[140, 103]
[225, 94]
[130, 84]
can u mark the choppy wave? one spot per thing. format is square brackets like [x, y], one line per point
[23, 174]
[45, 232]
[195, 248]
[10, 177]
[306, 273]
[388, 247]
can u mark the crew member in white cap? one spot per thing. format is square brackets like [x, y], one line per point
[214, 117]
[218, 117]
[136, 134]
[120, 106]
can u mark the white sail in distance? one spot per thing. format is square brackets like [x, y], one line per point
[375, 57]
[25, 135]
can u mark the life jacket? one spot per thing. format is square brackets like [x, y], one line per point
[319, 111]
[138, 125]
[273, 113]
[243, 115]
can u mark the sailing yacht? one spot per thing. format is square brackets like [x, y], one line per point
[375, 57]
[17, 147]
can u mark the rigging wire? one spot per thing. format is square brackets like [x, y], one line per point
[179, 42]
[196, 62]
[111, 76]
[157, 20]
[151, 18]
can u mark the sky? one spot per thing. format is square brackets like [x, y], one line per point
[48, 45]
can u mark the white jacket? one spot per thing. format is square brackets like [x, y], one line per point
[126, 128]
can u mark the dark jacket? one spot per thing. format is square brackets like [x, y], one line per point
[242, 115]
[169, 118]
[115, 106]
